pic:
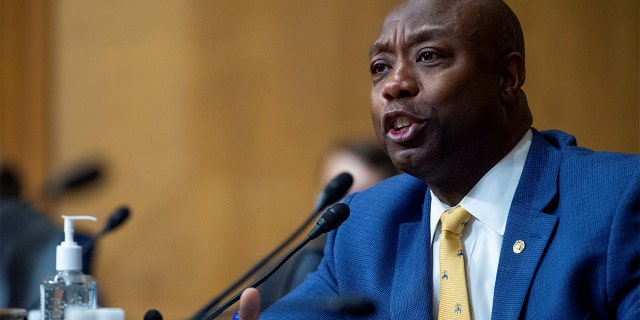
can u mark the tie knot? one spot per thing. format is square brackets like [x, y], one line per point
[455, 219]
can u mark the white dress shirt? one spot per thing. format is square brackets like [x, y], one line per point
[488, 202]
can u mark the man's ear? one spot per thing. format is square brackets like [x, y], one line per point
[512, 76]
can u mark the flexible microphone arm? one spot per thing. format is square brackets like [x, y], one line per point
[331, 219]
[116, 219]
[334, 191]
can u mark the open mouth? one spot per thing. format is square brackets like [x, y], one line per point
[400, 123]
[401, 128]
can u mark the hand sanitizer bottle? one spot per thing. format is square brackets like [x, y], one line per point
[69, 288]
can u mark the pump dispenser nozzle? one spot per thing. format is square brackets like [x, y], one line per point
[69, 253]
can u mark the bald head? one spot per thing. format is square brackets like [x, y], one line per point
[488, 23]
[502, 24]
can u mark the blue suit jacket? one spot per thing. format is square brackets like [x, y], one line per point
[577, 211]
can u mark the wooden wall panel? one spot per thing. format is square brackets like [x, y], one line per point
[583, 69]
[24, 93]
[211, 117]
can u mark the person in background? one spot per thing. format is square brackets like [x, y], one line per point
[362, 158]
[493, 218]
[28, 241]
[368, 164]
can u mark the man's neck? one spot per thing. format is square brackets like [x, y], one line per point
[456, 184]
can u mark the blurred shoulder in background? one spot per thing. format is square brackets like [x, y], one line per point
[363, 158]
[28, 236]
[28, 240]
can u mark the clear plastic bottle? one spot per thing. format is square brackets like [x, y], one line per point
[69, 287]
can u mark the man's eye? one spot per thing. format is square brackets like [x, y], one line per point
[378, 68]
[427, 56]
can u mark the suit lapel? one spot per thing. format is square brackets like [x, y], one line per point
[527, 225]
[412, 295]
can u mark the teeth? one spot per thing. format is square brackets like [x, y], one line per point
[400, 123]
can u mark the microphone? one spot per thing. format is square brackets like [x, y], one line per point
[333, 191]
[153, 314]
[79, 177]
[332, 218]
[116, 219]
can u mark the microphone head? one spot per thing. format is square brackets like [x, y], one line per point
[330, 219]
[153, 314]
[116, 219]
[77, 178]
[81, 177]
[335, 190]
[338, 186]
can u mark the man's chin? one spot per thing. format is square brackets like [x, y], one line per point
[408, 160]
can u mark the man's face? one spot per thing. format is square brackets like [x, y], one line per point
[435, 98]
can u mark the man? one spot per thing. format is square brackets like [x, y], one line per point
[553, 231]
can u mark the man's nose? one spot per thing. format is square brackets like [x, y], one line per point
[401, 83]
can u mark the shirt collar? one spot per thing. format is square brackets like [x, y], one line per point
[490, 199]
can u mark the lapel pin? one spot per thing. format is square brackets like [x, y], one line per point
[518, 246]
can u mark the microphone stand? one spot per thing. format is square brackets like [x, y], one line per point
[330, 219]
[336, 189]
[220, 309]
[254, 269]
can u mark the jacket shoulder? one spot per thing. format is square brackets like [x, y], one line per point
[399, 198]
[576, 157]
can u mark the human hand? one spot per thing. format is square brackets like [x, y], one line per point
[250, 304]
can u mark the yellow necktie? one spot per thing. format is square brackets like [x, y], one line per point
[454, 300]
